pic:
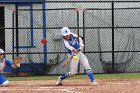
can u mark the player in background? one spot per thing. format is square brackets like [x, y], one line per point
[3, 63]
[74, 43]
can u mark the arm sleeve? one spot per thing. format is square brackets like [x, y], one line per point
[8, 62]
[68, 45]
[80, 40]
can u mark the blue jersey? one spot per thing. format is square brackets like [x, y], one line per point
[4, 62]
[74, 43]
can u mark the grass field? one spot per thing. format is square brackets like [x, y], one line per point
[97, 76]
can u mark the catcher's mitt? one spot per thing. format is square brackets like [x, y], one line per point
[17, 61]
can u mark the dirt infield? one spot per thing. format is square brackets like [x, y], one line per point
[74, 86]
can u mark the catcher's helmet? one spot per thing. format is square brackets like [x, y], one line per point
[65, 31]
[1, 51]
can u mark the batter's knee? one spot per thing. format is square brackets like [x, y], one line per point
[88, 70]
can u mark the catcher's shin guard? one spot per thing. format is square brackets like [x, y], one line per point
[4, 83]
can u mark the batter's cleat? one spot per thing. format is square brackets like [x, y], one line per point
[59, 81]
[94, 83]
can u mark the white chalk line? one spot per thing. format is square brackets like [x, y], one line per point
[122, 83]
[23, 89]
[66, 90]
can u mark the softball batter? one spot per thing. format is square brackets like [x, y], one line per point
[74, 44]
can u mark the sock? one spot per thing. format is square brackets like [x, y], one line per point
[66, 75]
[90, 74]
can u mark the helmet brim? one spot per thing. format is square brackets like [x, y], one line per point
[66, 34]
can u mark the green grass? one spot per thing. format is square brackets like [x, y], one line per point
[118, 75]
[97, 76]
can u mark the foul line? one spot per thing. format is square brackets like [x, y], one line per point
[67, 90]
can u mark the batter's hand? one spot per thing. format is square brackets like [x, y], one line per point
[67, 62]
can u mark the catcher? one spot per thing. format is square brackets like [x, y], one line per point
[4, 63]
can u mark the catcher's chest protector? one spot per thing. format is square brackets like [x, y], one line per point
[2, 62]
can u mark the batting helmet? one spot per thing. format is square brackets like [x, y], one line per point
[1, 51]
[65, 31]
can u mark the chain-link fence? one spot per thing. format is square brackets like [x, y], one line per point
[110, 30]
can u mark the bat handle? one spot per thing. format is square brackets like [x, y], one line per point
[66, 63]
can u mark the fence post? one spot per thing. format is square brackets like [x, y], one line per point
[112, 37]
[17, 43]
[44, 30]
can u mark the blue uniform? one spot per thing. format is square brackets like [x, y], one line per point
[74, 43]
[4, 62]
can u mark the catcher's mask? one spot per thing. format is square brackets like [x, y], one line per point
[2, 52]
